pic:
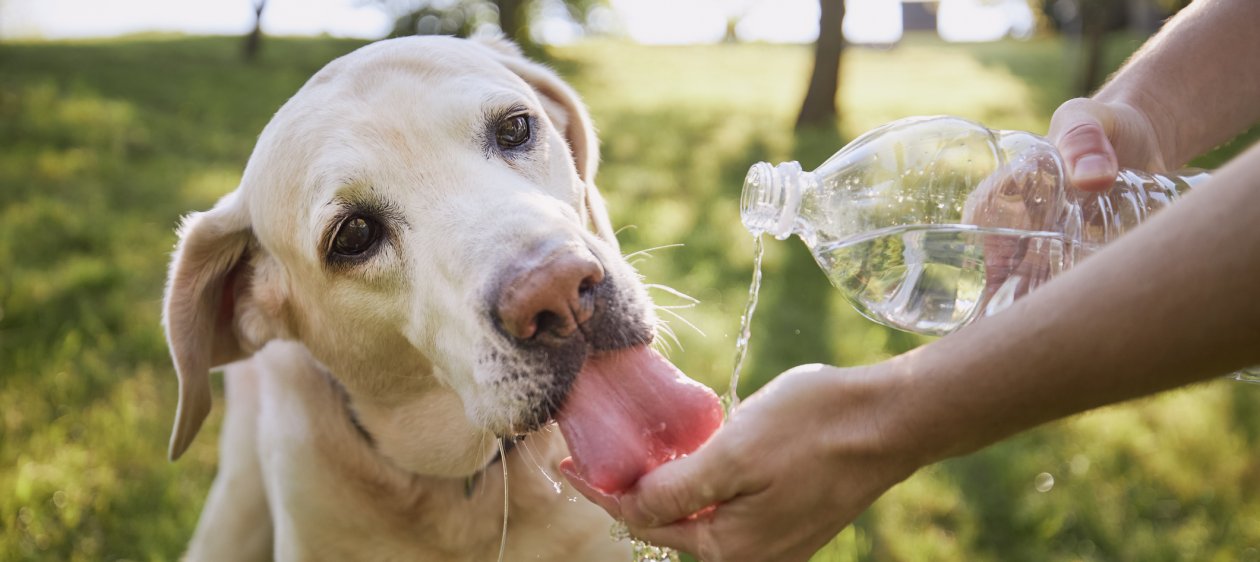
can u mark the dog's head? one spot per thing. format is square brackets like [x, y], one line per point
[422, 215]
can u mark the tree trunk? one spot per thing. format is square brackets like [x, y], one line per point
[253, 41]
[512, 20]
[819, 107]
[1092, 32]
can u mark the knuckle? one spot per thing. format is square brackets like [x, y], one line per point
[1075, 104]
[1084, 133]
[648, 509]
[1072, 114]
[1081, 138]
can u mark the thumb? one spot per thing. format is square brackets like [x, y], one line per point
[1079, 130]
[682, 487]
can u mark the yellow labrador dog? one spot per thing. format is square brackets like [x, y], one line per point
[415, 268]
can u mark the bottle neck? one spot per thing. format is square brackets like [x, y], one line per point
[771, 200]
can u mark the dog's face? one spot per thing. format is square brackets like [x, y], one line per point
[422, 215]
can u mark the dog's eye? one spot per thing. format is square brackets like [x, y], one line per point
[355, 236]
[512, 132]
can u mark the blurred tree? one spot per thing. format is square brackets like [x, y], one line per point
[253, 41]
[1092, 20]
[1097, 17]
[463, 17]
[819, 107]
[512, 20]
[735, 11]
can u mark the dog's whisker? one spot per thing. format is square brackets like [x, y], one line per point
[676, 306]
[673, 291]
[664, 328]
[662, 348]
[683, 319]
[626, 227]
[506, 504]
[668, 339]
[486, 438]
[648, 251]
[529, 454]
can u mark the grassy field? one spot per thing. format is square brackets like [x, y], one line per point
[104, 145]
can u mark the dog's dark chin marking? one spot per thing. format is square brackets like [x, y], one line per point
[348, 408]
[540, 372]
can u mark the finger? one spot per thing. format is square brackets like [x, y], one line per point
[609, 502]
[715, 536]
[682, 487]
[1090, 159]
[1079, 130]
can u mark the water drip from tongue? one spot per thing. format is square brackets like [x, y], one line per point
[631, 410]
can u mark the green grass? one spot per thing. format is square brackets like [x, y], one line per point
[103, 145]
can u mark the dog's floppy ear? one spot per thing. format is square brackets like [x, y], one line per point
[566, 111]
[208, 272]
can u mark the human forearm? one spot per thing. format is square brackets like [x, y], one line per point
[1170, 303]
[1198, 80]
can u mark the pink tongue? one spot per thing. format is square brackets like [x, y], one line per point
[631, 410]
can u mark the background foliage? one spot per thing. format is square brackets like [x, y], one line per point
[103, 145]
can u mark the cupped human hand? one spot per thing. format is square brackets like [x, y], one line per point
[794, 465]
[1098, 138]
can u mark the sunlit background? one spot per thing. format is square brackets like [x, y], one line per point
[118, 117]
[643, 21]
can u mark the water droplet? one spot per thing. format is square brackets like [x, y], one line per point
[641, 551]
[1044, 482]
[558, 487]
[1079, 465]
[1086, 547]
[619, 531]
[644, 552]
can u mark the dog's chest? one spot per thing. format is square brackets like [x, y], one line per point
[332, 497]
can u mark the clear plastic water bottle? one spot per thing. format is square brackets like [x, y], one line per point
[926, 224]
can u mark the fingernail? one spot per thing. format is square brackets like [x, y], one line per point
[1093, 166]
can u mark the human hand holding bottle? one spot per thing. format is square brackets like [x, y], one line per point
[1179, 96]
[1095, 139]
[1098, 138]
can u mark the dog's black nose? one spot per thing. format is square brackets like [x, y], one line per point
[547, 302]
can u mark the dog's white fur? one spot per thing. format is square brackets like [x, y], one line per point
[400, 342]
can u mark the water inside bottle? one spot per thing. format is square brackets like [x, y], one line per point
[936, 278]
